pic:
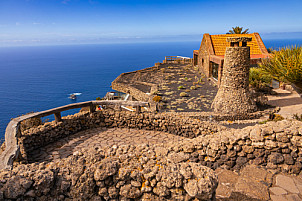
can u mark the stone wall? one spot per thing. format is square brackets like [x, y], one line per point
[212, 116]
[204, 58]
[116, 173]
[36, 137]
[158, 172]
[275, 145]
[230, 147]
[126, 88]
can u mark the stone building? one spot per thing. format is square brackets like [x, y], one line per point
[210, 56]
[233, 96]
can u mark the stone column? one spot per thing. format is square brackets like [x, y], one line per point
[233, 96]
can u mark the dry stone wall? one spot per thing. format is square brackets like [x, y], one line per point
[158, 172]
[275, 145]
[116, 173]
[124, 81]
[42, 135]
[126, 88]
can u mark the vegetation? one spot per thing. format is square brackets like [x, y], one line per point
[275, 117]
[98, 98]
[180, 87]
[183, 94]
[297, 117]
[193, 87]
[238, 30]
[259, 79]
[272, 117]
[285, 65]
[157, 98]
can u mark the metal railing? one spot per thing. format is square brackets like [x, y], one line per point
[177, 59]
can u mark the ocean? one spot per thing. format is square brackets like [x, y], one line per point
[37, 78]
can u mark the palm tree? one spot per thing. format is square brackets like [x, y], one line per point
[238, 30]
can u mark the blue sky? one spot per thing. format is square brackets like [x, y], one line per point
[103, 21]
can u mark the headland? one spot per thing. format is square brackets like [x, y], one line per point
[169, 144]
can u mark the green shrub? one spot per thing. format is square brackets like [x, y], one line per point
[98, 98]
[259, 79]
[275, 117]
[297, 117]
[285, 65]
[180, 87]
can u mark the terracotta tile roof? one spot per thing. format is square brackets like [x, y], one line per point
[220, 44]
[253, 56]
[195, 52]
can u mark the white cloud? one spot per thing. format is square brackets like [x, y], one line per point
[36, 23]
[18, 23]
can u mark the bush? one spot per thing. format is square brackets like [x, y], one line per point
[157, 98]
[285, 65]
[297, 117]
[275, 117]
[259, 79]
[180, 87]
[192, 87]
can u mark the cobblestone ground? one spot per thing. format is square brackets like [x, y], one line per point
[254, 183]
[99, 137]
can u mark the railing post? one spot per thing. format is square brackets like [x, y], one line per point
[91, 108]
[58, 117]
[138, 109]
[118, 107]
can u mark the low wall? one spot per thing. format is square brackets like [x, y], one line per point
[274, 145]
[212, 116]
[42, 135]
[118, 173]
[125, 88]
[158, 172]
[119, 85]
[11, 152]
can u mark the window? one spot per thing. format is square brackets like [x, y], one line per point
[215, 70]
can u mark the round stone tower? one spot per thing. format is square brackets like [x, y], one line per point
[233, 96]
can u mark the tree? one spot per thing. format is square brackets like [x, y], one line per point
[285, 65]
[238, 30]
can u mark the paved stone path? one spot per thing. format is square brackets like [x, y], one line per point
[289, 102]
[254, 183]
[286, 188]
[99, 137]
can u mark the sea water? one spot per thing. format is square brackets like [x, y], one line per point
[43, 77]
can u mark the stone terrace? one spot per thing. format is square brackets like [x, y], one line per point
[99, 137]
[181, 86]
